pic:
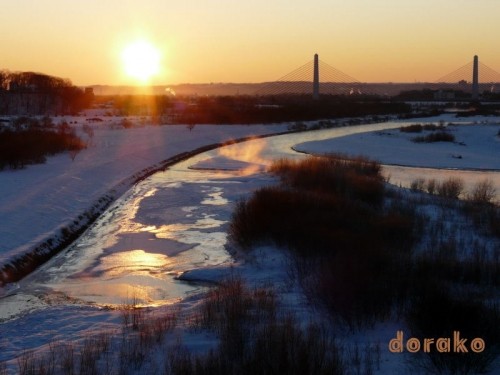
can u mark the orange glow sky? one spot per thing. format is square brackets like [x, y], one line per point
[253, 41]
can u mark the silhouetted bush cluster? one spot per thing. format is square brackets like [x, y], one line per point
[319, 198]
[483, 192]
[306, 222]
[450, 188]
[353, 178]
[231, 304]
[484, 215]
[453, 188]
[478, 205]
[330, 209]
[32, 145]
[446, 262]
[418, 128]
[440, 136]
[256, 340]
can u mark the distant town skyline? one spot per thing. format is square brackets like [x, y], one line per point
[225, 41]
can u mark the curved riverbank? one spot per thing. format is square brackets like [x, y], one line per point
[476, 147]
[312, 153]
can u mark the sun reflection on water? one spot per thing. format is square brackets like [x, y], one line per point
[133, 262]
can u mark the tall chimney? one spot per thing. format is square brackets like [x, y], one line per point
[316, 78]
[475, 79]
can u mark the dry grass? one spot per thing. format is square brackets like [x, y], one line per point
[331, 209]
[254, 339]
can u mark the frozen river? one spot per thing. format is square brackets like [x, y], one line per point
[169, 223]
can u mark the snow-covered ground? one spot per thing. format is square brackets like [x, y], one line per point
[63, 302]
[476, 146]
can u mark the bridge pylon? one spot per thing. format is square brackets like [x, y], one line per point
[475, 79]
[316, 78]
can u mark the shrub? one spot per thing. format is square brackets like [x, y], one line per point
[228, 304]
[417, 128]
[485, 216]
[306, 222]
[440, 136]
[266, 345]
[354, 178]
[446, 262]
[353, 288]
[417, 184]
[451, 188]
[285, 348]
[231, 307]
[493, 221]
[351, 284]
[483, 192]
[431, 186]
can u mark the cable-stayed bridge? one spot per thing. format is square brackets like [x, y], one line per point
[330, 81]
[474, 78]
[319, 78]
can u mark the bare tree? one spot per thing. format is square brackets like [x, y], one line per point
[483, 192]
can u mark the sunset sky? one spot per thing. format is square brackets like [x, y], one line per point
[201, 41]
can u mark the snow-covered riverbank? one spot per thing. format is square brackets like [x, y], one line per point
[476, 146]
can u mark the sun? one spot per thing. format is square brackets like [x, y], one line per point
[141, 61]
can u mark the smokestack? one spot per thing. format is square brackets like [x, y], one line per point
[475, 79]
[316, 78]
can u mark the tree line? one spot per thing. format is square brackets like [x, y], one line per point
[29, 93]
[252, 109]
